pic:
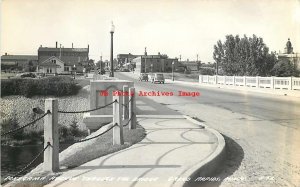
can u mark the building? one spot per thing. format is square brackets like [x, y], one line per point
[124, 59]
[19, 62]
[67, 59]
[191, 65]
[54, 65]
[154, 63]
[290, 55]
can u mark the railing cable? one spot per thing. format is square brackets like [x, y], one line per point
[30, 163]
[19, 128]
[83, 140]
[84, 111]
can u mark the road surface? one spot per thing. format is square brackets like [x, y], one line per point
[262, 131]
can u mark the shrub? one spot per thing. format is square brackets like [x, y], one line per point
[284, 68]
[74, 128]
[11, 124]
[56, 86]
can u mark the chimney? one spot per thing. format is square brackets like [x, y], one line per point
[158, 53]
[5, 54]
[55, 44]
[41, 46]
[72, 45]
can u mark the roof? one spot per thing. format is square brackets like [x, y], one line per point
[48, 63]
[63, 49]
[19, 57]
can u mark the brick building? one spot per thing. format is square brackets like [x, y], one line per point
[154, 63]
[21, 62]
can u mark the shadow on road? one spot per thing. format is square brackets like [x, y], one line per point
[234, 155]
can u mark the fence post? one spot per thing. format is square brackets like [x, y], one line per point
[51, 158]
[200, 79]
[244, 81]
[132, 109]
[125, 102]
[291, 83]
[257, 81]
[233, 80]
[272, 83]
[118, 126]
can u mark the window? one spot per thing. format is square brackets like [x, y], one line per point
[66, 68]
[49, 70]
[53, 61]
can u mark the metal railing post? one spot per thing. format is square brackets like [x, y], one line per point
[51, 158]
[125, 102]
[118, 126]
[132, 109]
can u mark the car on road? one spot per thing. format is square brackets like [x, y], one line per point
[143, 77]
[157, 77]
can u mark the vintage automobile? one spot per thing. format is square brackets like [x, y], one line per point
[157, 77]
[143, 77]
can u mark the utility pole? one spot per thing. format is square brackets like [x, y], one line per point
[145, 58]
[112, 30]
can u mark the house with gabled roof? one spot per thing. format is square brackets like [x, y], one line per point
[54, 65]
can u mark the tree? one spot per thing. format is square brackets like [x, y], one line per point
[244, 56]
[283, 68]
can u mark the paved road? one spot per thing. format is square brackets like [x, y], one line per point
[262, 131]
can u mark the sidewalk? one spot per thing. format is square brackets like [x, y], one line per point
[175, 146]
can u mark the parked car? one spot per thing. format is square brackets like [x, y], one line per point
[143, 77]
[125, 70]
[157, 77]
[26, 75]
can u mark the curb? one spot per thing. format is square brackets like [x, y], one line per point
[209, 165]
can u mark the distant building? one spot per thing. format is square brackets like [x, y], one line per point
[124, 59]
[191, 65]
[22, 62]
[71, 59]
[290, 55]
[154, 63]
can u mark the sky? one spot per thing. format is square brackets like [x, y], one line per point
[172, 27]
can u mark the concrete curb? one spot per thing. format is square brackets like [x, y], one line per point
[208, 166]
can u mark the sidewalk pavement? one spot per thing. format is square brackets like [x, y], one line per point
[175, 146]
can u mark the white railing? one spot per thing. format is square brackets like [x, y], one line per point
[289, 83]
[211, 79]
[296, 83]
[229, 80]
[240, 81]
[220, 79]
[251, 81]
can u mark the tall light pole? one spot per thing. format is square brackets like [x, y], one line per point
[112, 30]
[74, 67]
[173, 71]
